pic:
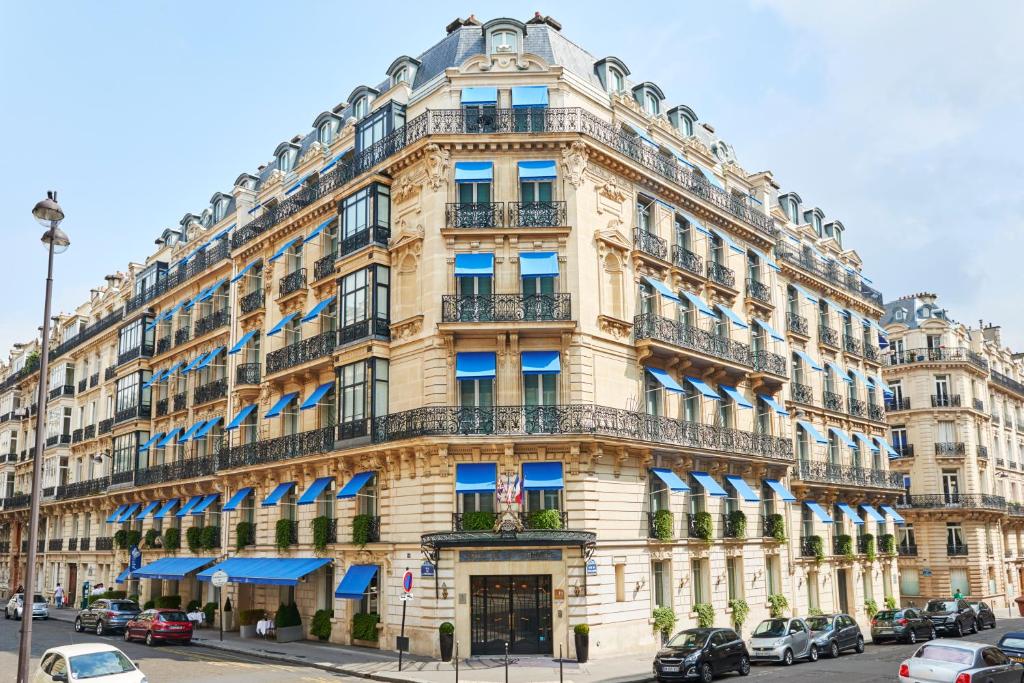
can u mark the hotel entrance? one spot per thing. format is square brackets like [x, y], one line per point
[511, 609]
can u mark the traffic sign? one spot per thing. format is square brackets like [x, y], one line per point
[219, 578]
[426, 569]
[407, 581]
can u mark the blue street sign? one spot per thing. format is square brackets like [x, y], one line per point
[426, 569]
[591, 567]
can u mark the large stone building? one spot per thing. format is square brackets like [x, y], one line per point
[957, 421]
[509, 319]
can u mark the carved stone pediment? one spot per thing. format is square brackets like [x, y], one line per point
[612, 238]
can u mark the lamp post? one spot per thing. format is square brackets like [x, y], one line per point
[49, 214]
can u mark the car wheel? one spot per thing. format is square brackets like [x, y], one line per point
[787, 657]
[833, 649]
[127, 638]
[149, 640]
[706, 674]
[744, 667]
[860, 645]
[974, 626]
[959, 630]
[812, 654]
[932, 635]
[993, 622]
[99, 627]
[78, 625]
[912, 637]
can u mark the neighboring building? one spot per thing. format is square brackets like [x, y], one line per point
[957, 421]
[508, 320]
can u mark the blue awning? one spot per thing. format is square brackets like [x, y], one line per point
[166, 508]
[355, 485]
[743, 488]
[197, 298]
[319, 229]
[171, 568]
[807, 295]
[154, 378]
[240, 344]
[475, 365]
[209, 357]
[187, 507]
[661, 288]
[886, 389]
[736, 396]
[862, 377]
[281, 323]
[480, 95]
[872, 513]
[812, 431]
[474, 265]
[538, 264]
[866, 440]
[279, 492]
[170, 437]
[314, 399]
[123, 576]
[193, 363]
[810, 361]
[283, 248]
[281, 404]
[664, 379]
[893, 515]
[695, 222]
[780, 490]
[206, 502]
[297, 185]
[710, 176]
[240, 417]
[211, 289]
[236, 499]
[474, 171]
[832, 304]
[148, 509]
[316, 310]
[703, 388]
[476, 477]
[269, 571]
[733, 316]
[542, 476]
[700, 304]
[643, 135]
[772, 332]
[537, 170]
[529, 96]
[711, 487]
[850, 513]
[191, 431]
[173, 369]
[153, 439]
[724, 236]
[767, 258]
[774, 405]
[670, 479]
[310, 495]
[117, 513]
[129, 511]
[818, 511]
[240, 274]
[355, 582]
[892, 453]
[843, 436]
[540, 362]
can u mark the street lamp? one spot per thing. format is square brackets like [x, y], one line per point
[49, 214]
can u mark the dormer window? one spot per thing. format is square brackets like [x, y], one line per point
[791, 210]
[686, 126]
[326, 133]
[504, 41]
[839, 235]
[649, 96]
[361, 107]
[285, 161]
[219, 209]
[816, 223]
[401, 76]
[652, 104]
[616, 81]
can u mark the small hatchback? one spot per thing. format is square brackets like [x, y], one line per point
[782, 640]
[16, 607]
[907, 625]
[701, 654]
[159, 626]
[833, 633]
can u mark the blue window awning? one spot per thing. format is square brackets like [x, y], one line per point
[890, 451]
[166, 441]
[209, 292]
[171, 568]
[893, 515]
[318, 229]
[540, 362]
[168, 506]
[249, 266]
[173, 369]
[475, 365]
[149, 442]
[281, 404]
[236, 499]
[187, 507]
[117, 513]
[474, 171]
[661, 288]
[476, 477]
[480, 95]
[268, 571]
[812, 431]
[314, 399]
[187, 436]
[279, 492]
[818, 511]
[318, 309]
[542, 476]
[474, 265]
[771, 331]
[838, 371]
[871, 512]
[780, 490]
[355, 485]
[154, 378]
[538, 264]
[148, 509]
[743, 488]
[355, 582]
[813, 364]
[529, 96]
[664, 379]
[774, 405]
[297, 184]
[240, 344]
[240, 417]
[129, 511]
[696, 223]
[879, 382]
[283, 248]
[733, 316]
[643, 135]
[807, 295]
[736, 396]
[711, 487]
[864, 379]
[209, 357]
[310, 495]
[850, 513]
[281, 323]
[724, 236]
[193, 363]
[123, 576]
[537, 170]
[206, 502]
[867, 441]
[843, 436]
[700, 304]
[702, 387]
[670, 479]
[710, 176]
[767, 259]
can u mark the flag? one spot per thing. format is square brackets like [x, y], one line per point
[517, 489]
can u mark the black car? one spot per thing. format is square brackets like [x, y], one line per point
[833, 633]
[952, 616]
[908, 625]
[986, 617]
[1012, 645]
[701, 654]
[105, 616]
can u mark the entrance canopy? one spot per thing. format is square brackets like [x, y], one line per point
[271, 571]
[171, 568]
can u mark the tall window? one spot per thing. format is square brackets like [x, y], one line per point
[540, 390]
[661, 594]
[734, 577]
[123, 452]
[753, 267]
[366, 210]
[363, 393]
[644, 213]
[616, 81]
[651, 104]
[684, 233]
[698, 580]
[653, 395]
[364, 295]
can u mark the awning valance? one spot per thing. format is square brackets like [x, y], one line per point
[542, 476]
[700, 304]
[540, 362]
[818, 511]
[711, 487]
[541, 170]
[271, 571]
[812, 431]
[187, 507]
[168, 506]
[780, 490]
[148, 509]
[236, 499]
[474, 265]
[664, 379]
[871, 512]
[736, 396]
[471, 365]
[355, 485]
[240, 417]
[240, 344]
[772, 332]
[850, 513]
[249, 266]
[279, 492]
[733, 316]
[281, 404]
[661, 288]
[281, 323]
[314, 399]
[476, 477]
[538, 264]
[474, 171]
[318, 309]
[774, 405]
[743, 488]
[207, 500]
[813, 364]
[893, 515]
[702, 387]
[529, 96]
[843, 436]
[480, 95]
[283, 248]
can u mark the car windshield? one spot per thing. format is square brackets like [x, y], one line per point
[689, 639]
[173, 616]
[124, 606]
[771, 628]
[819, 623]
[944, 653]
[886, 615]
[1017, 643]
[975, 605]
[941, 606]
[38, 598]
[96, 664]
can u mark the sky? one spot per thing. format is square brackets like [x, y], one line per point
[899, 119]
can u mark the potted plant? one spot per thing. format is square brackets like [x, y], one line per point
[546, 519]
[152, 538]
[890, 602]
[702, 525]
[844, 545]
[663, 524]
[226, 615]
[283, 534]
[364, 626]
[705, 614]
[361, 527]
[446, 631]
[168, 602]
[247, 622]
[740, 610]
[581, 632]
[777, 605]
[209, 537]
[738, 523]
[172, 539]
[209, 612]
[321, 624]
[288, 624]
[321, 530]
[776, 527]
[664, 622]
[870, 607]
[887, 544]
[243, 532]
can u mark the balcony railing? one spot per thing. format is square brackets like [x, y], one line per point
[377, 234]
[292, 282]
[104, 543]
[956, 550]
[687, 260]
[721, 274]
[189, 468]
[828, 336]
[772, 363]
[106, 425]
[55, 544]
[759, 291]
[140, 351]
[84, 543]
[109, 373]
[830, 272]
[303, 351]
[871, 353]
[274, 450]
[829, 473]
[983, 452]
[832, 401]
[252, 301]
[83, 336]
[163, 345]
[199, 263]
[897, 404]
[180, 401]
[649, 243]
[876, 413]
[65, 390]
[475, 215]
[247, 537]
[89, 432]
[906, 550]
[94, 379]
[536, 214]
[161, 407]
[945, 401]
[853, 345]
[77, 435]
[212, 322]
[857, 408]
[1007, 382]
[324, 267]
[951, 448]
[125, 414]
[506, 308]
[83, 384]
[72, 544]
[958, 355]
[181, 336]
[83, 489]
[807, 545]
[211, 391]
[801, 393]
[952, 500]
[978, 405]
[797, 323]
[651, 326]
[247, 373]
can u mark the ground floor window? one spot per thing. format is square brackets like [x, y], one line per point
[660, 582]
[869, 586]
[910, 581]
[698, 580]
[370, 603]
[734, 577]
[771, 572]
[812, 591]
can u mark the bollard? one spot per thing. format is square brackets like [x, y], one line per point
[560, 658]
[506, 662]
[456, 661]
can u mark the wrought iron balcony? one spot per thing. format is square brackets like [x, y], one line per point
[828, 473]
[377, 234]
[475, 215]
[1007, 382]
[72, 544]
[55, 545]
[324, 267]
[651, 326]
[161, 408]
[104, 543]
[721, 274]
[354, 429]
[732, 528]
[140, 351]
[830, 272]
[84, 543]
[687, 260]
[131, 413]
[978, 405]
[82, 489]
[858, 408]
[76, 435]
[82, 385]
[958, 355]
[181, 336]
[83, 336]
[211, 391]
[906, 550]
[853, 345]
[105, 426]
[828, 336]
[807, 545]
[797, 323]
[875, 413]
[163, 345]
[759, 291]
[58, 439]
[373, 532]
[124, 477]
[948, 449]
[247, 373]
[302, 351]
[832, 401]
[649, 243]
[110, 373]
[956, 550]
[180, 401]
[945, 401]
[275, 450]
[952, 500]
[252, 301]
[65, 390]
[1000, 462]
[20, 500]
[801, 393]
[871, 353]
[771, 363]
[506, 308]
[982, 452]
[94, 379]
[379, 328]
[189, 468]
[536, 214]
[292, 282]
[894, 405]
[212, 322]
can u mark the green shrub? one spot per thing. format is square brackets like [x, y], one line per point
[887, 544]
[210, 610]
[227, 605]
[776, 527]
[287, 615]
[871, 607]
[209, 537]
[364, 625]
[738, 523]
[816, 547]
[546, 519]
[134, 598]
[814, 612]
[844, 545]
[664, 620]
[283, 534]
[133, 537]
[321, 624]
[150, 604]
[740, 610]
[321, 530]
[362, 524]
[664, 524]
[169, 602]
[121, 538]
[705, 614]
[172, 539]
[192, 538]
[777, 605]
[192, 605]
[249, 617]
[447, 628]
[151, 538]
[243, 530]
[890, 602]
[478, 521]
[702, 526]
[582, 629]
[869, 547]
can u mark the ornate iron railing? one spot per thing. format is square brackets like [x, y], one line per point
[651, 326]
[252, 301]
[828, 336]
[211, 391]
[84, 543]
[536, 214]
[140, 351]
[807, 545]
[945, 401]
[956, 550]
[857, 407]
[801, 393]
[94, 379]
[373, 531]
[958, 355]
[163, 345]
[110, 373]
[64, 390]
[180, 401]
[871, 353]
[55, 545]
[721, 274]
[978, 405]
[983, 452]
[377, 234]
[952, 500]
[506, 308]
[649, 243]
[125, 414]
[199, 263]
[76, 435]
[83, 336]
[832, 401]
[797, 323]
[363, 329]
[687, 260]
[82, 385]
[247, 373]
[951, 448]
[354, 429]
[852, 345]
[759, 291]
[1007, 382]
[72, 544]
[906, 550]
[302, 351]
[772, 363]
[825, 472]
[89, 432]
[189, 468]
[875, 412]
[274, 450]
[292, 282]
[830, 272]
[161, 407]
[212, 322]
[181, 336]
[324, 267]
[897, 404]
[475, 215]
[105, 426]
[82, 489]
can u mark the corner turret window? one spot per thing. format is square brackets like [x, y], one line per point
[504, 41]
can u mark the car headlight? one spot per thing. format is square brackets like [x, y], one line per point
[691, 659]
[780, 642]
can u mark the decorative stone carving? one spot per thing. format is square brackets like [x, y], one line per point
[404, 189]
[315, 150]
[438, 163]
[406, 329]
[574, 161]
[619, 329]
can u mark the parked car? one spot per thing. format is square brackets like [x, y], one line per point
[906, 624]
[106, 616]
[782, 640]
[1012, 645]
[984, 613]
[957, 661]
[97, 662]
[159, 625]
[952, 616]
[701, 654]
[16, 606]
[833, 633]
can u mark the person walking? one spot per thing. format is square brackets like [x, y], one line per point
[58, 596]
[957, 595]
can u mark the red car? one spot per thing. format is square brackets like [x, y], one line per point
[159, 625]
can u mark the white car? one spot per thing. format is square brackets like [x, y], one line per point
[97, 662]
[16, 606]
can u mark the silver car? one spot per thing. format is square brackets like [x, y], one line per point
[782, 640]
[16, 606]
[948, 661]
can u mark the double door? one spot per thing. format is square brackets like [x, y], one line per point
[513, 610]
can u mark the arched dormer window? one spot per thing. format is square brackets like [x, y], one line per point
[220, 202]
[325, 134]
[403, 70]
[504, 41]
[327, 125]
[815, 217]
[652, 105]
[649, 97]
[504, 36]
[616, 80]
[285, 154]
[612, 73]
[682, 119]
[246, 181]
[361, 100]
[361, 107]
[790, 205]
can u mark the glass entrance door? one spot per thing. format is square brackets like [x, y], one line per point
[511, 609]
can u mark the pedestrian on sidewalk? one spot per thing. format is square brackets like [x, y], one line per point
[58, 596]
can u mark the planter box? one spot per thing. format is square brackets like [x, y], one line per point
[366, 643]
[247, 631]
[289, 634]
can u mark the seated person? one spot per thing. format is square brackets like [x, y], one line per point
[197, 617]
[265, 626]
